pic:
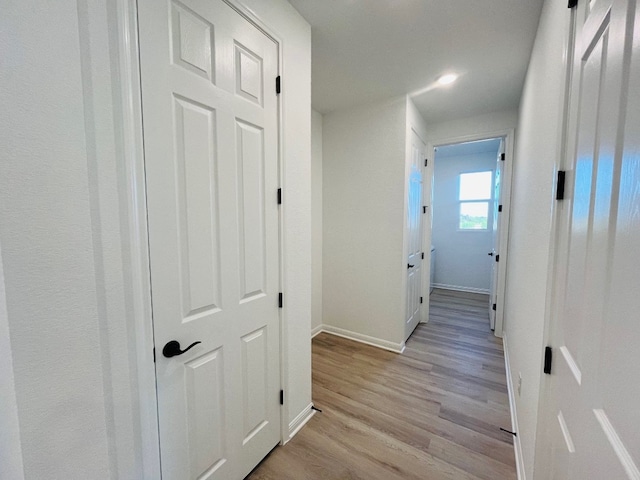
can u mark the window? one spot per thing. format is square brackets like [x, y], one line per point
[474, 195]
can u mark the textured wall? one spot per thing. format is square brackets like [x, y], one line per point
[363, 204]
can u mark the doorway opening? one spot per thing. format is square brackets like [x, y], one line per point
[468, 223]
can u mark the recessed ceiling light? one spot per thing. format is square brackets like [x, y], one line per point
[447, 79]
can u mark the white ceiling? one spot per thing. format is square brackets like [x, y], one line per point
[368, 50]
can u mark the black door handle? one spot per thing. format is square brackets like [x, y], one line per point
[490, 254]
[172, 348]
[410, 266]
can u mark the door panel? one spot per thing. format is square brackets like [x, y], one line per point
[497, 217]
[210, 136]
[414, 229]
[205, 389]
[251, 201]
[595, 330]
[197, 208]
[254, 385]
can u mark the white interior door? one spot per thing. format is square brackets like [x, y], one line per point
[495, 250]
[414, 234]
[210, 140]
[592, 422]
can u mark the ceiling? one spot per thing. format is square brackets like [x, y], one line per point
[368, 50]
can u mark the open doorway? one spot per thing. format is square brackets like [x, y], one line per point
[468, 197]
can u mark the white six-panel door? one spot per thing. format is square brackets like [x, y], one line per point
[414, 229]
[210, 140]
[497, 221]
[593, 418]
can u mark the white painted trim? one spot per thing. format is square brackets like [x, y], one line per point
[315, 331]
[136, 210]
[300, 421]
[572, 364]
[517, 446]
[509, 148]
[461, 289]
[366, 339]
[11, 463]
[565, 433]
[630, 468]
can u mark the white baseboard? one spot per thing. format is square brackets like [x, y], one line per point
[316, 330]
[301, 419]
[458, 288]
[517, 446]
[359, 337]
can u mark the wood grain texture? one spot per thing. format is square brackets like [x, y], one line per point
[433, 412]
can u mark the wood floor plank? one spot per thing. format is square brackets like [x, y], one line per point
[433, 412]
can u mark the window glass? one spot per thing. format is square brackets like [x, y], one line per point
[474, 195]
[475, 186]
[474, 215]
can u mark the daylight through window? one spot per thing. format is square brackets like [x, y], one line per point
[474, 195]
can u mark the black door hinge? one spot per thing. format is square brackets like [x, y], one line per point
[503, 156]
[424, 209]
[426, 162]
[572, 3]
[493, 307]
[497, 258]
[422, 255]
[499, 208]
[279, 196]
[420, 299]
[280, 299]
[547, 360]
[278, 85]
[281, 397]
[560, 185]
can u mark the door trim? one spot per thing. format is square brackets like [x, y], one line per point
[509, 138]
[134, 189]
[136, 211]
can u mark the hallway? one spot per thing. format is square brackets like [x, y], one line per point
[433, 412]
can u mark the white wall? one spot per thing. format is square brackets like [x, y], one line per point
[537, 150]
[66, 240]
[363, 218]
[51, 252]
[462, 260]
[488, 123]
[316, 221]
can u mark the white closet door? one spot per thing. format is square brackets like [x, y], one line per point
[210, 140]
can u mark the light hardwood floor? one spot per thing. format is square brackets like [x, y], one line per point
[433, 412]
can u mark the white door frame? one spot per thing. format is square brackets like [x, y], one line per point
[509, 138]
[136, 210]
